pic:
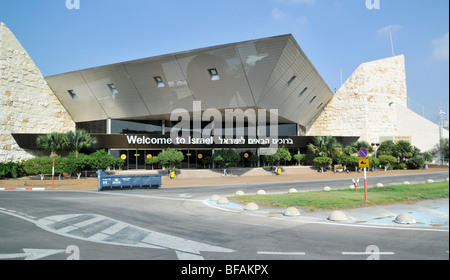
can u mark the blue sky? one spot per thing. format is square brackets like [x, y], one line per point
[335, 34]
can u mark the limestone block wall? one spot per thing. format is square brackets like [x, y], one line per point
[366, 105]
[372, 104]
[27, 104]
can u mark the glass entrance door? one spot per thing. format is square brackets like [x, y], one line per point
[136, 159]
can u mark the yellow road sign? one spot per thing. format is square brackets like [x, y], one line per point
[364, 163]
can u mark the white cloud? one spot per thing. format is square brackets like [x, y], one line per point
[278, 15]
[441, 48]
[385, 30]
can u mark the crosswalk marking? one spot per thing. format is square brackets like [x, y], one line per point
[101, 229]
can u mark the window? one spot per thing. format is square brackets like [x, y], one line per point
[319, 106]
[303, 91]
[312, 100]
[291, 80]
[113, 89]
[214, 74]
[159, 82]
[72, 94]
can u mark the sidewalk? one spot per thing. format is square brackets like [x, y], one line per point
[291, 174]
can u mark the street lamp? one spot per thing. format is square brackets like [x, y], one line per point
[376, 145]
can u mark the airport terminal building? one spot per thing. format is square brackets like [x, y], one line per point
[246, 96]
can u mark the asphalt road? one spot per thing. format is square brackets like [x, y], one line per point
[180, 224]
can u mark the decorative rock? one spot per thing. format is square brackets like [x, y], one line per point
[406, 183]
[291, 211]
[292, 190]
[240, 193]
[379, 185]
[405, 218]
[251, 207]
[223, 200]
[327, 189]
[430, 181]
[261, 192]
[338, 216]
[351, 187]
[214, 197]
[446, 179]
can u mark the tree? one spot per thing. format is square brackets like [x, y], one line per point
[152, 160]
[226, 158]
[386, 148]
[356, 147]
[52, 143]
[387, 160]
[416, 162]
[170, 158]
[299, 158]
[325, 146]
[403, 150]
[322, 161]
[75, 141]
[101, 160]
[442, 149]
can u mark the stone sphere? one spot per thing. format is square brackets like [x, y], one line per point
[292, 190]
[405, 218]
[261, 192]
[240, 193]
[223, 200]
[251, 207]
[327, 189]
[291, 211]
[338, 216]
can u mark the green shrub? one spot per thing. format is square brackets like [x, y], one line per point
[225, 158]
[322, 161]
[39, 165]
[387, 160]
[170, 158]
[299, 158]
[416, 162]
[399, 165]
[11, 170]
[374, 162]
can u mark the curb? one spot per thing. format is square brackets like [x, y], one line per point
[22, 189]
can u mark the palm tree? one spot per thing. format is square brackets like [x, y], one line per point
[325, 146]
[52, 143]
[75, 141]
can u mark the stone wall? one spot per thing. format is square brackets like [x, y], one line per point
[27, 104]
[372, 104]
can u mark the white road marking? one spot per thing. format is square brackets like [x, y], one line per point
[31, 254]
[282, 253]
[105, 230]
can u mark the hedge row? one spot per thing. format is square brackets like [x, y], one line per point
[70, 165]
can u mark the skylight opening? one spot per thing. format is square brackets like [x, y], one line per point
[159, 82]
[72, 94]
[113, 89]
[291, 80]
[214, 75]
[303, 91]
